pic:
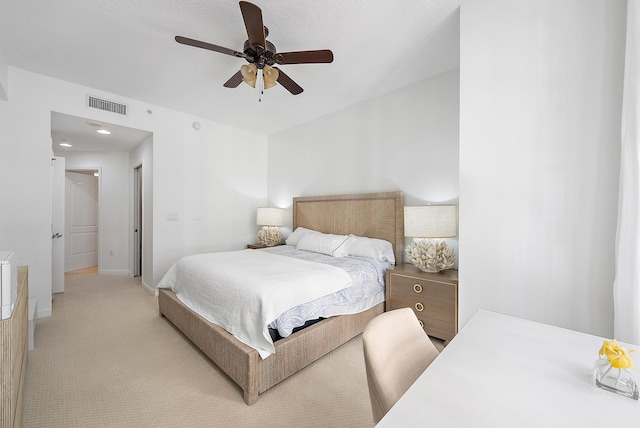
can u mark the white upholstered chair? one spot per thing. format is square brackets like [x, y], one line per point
[396, 352]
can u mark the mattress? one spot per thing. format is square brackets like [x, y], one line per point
[247, 292]
[367, 289]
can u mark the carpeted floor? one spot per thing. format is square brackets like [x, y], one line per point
[106, 359]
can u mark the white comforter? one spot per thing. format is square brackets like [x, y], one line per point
[243, 291]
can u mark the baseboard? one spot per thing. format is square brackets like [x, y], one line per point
[148, 288]
[113, 272]
[44, 313]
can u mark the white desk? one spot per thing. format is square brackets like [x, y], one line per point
[535, 375]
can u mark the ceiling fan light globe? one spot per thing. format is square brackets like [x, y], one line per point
[249, 71]
[249, 82]
[270, 76]
[249, 74]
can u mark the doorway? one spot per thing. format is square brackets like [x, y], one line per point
[113, 154]
[82, 205]
[137, 221]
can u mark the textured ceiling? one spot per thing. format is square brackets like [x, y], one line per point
[128, 48]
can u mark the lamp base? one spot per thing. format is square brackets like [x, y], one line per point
[269, 236]
[430, 255]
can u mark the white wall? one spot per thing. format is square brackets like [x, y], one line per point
[540, 91]
[113, 215]
[218, 173]
[4, 74]
[213, 180]
[25, 220]
[406, 140]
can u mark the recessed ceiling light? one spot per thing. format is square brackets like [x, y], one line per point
[103, 131]
[94, 123]
[65, 145]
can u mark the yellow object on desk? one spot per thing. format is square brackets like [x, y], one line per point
[618, 356]
[612, 374]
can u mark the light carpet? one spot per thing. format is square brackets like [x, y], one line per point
[105, 358]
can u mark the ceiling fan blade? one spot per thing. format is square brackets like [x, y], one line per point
[252, 16]
[234, 81]
[288, 84]
[208, 46]
[304, 57]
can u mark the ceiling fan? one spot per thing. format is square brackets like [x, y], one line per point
[261, 55]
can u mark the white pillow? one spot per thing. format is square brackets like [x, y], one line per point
[343, 250]
[295, 236]
[324, 243]
[378, 249]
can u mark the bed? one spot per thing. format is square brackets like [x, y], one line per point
[374, 215]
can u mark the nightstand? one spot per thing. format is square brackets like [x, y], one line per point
[432, 296]
[259, 246]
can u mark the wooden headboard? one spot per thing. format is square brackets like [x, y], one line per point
[375, 215]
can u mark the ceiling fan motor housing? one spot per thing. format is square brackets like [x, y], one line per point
[258, 55]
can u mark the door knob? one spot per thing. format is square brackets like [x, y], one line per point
[57, 235]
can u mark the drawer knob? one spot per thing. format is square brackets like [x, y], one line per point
[417, 288]
[419, 307]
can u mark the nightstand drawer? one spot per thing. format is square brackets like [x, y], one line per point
[418, 287]
[424, 307]
[437, 328]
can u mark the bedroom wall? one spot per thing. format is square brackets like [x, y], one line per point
[405, 140]
[113, 215]
[4, 74]
[217, 174]
[539, 159]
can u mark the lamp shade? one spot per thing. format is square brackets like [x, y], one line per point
[430, 221]
[270, 217]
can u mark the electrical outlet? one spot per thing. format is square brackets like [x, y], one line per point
[172, 217]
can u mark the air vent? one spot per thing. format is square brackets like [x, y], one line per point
[106, 105]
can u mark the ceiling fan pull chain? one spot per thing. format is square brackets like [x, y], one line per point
[260, 85]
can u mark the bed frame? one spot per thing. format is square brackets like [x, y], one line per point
[376, 215]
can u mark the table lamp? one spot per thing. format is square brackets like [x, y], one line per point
[430, 221]
[270, 219]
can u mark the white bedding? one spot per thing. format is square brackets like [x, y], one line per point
[243, 291]
[367, 289]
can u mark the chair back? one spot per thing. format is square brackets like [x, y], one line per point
[396, 352]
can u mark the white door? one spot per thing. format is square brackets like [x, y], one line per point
[81, 220]
[57, 225]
